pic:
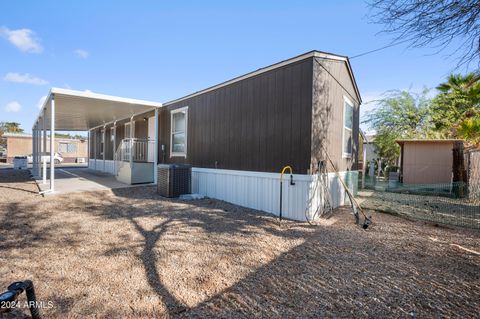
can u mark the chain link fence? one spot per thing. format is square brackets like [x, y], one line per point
[456, 204]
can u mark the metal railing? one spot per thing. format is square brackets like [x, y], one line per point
[134, 150]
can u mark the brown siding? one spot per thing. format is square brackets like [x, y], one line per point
[327, 117]
[427, 163]
[108, 143]
[91, 142]
[141, 128]
[98, 141]
[257, 124]
[120, 131]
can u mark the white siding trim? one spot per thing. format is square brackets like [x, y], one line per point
[109, 166]
[261, 190]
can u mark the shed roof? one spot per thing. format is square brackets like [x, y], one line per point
[403, 141]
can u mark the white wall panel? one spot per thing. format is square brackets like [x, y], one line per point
[109, 166]
[259, 190]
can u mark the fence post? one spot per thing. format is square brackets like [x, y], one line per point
[458, 170]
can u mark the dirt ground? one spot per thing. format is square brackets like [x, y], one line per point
[129, 253]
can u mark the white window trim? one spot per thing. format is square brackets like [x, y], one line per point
[179, 154]
[348, 101]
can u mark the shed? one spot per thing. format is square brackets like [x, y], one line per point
[427, 161]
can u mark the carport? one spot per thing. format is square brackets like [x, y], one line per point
[69, 110]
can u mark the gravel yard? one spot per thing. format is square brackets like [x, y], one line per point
[128, 253]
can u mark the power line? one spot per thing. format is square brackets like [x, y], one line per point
[379, 49]
[338, 82]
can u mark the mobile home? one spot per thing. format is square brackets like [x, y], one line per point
[237, 135]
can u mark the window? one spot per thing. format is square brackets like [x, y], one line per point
[178, 141]
[67, 147]
[347, 127]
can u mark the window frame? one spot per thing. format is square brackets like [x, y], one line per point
[60, 147]
[71, 145]
[346, 101]
[172, 113]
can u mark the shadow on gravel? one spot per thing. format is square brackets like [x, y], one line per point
[206, 214]
[336, 272]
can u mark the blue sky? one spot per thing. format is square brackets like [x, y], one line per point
[162, 50]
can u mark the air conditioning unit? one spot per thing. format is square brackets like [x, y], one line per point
[174, 179]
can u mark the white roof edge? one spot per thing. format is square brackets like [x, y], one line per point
[92, 95]
[105, 97]
[274, 66]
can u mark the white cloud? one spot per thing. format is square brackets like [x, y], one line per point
[83, 54]
[87, 91]
[24, 78]
[24, 39]
[41, 101]
[13, 107]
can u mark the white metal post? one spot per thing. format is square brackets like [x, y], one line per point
[104, 144]
[155, 156]
[44, 142]
[35, 141]
[34, 151]
[95, 147]
[88, 148]
[114, 148]
[37, 146]
[131, 142]
[52, 144]
[114, 138]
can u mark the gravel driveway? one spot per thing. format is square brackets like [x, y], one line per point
[129, 253]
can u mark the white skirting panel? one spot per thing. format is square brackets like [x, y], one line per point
[91, 163]
[99, 165]
[109, 166]
[259, 190]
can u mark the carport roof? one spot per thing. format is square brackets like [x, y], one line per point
[84, 110]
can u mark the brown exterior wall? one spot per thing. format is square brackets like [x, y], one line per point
[331, 83]
[427, 162]
[261, 123]
[22, 146]
[141, 131]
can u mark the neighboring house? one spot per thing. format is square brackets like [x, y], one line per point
[237, 135]
[369, 146]
[427, 161]
[20, 144]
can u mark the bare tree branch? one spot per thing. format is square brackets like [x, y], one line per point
[436, 23]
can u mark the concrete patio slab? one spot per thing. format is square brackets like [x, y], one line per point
[80, 179]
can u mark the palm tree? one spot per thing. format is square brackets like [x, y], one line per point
[460, 83]
[456, 109]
